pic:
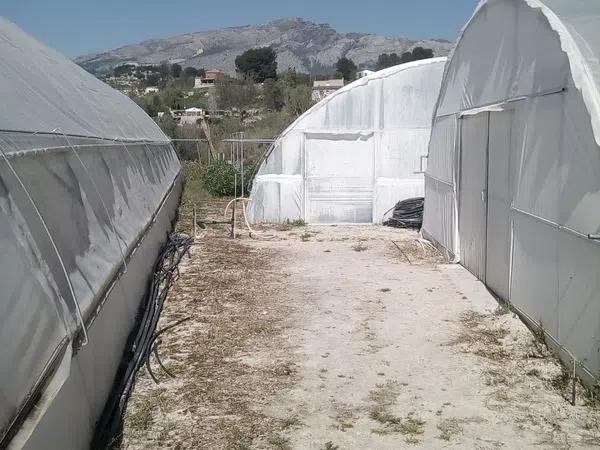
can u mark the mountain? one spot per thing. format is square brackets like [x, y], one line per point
[306, 46]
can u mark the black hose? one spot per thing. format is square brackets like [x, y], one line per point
[407, 214]
[108, 433]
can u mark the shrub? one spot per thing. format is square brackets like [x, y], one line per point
[219, 179]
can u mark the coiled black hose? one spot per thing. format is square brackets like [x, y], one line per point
[108, 433]
[407, 214]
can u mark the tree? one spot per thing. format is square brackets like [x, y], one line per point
[168, 125]
[298, 99]
[419, 53]
[347, 68]
[175, 70]
[291, 78]
[152, 80]
[234, 93]
[384, 61]
[258, 64]
[190, 72]
[273, 94]
[164, 70]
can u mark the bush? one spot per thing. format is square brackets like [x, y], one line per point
[219, 179]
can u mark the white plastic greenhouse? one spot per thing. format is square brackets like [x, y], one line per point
[89, 187]
[513, 177]
[353, 155]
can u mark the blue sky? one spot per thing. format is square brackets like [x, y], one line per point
[76, 27]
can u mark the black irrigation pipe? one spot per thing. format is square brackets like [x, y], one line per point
[407, 214]
[140, 344]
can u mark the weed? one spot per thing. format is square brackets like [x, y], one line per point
[296, 222]
[448, 428]
[291, 422]
[360, 247]
[330, 446]
[560, 382]
[279, 442]
[304, 237]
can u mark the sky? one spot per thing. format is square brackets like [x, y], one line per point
[76, 27]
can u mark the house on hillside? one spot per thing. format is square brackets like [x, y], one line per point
[190, 116]
[208, 79]
[322, 89]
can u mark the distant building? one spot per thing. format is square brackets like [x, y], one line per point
[151, 90]
[208, 79]
[190, 116]
[363, 73]
[322, 89]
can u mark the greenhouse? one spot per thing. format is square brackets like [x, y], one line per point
[89, 189]
[512, 188]
[354, 155]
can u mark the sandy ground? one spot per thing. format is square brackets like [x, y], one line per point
[335, 338]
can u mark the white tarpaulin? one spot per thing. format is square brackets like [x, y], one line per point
[353, 155]
[513, 177]
[87, 182]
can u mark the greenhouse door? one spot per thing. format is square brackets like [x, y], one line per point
[498, 207]
[472, 215]
[484, 215]
[339, 178]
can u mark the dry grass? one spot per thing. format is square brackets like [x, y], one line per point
[383, 398]
[228, 290]
[481, 337]
[448, 428]
[360, 247]
[415, 251]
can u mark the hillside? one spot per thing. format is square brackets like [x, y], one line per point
[306, 46]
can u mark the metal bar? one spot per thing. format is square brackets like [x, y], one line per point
[66, 148]
[53, 133]
[447, 183]
[242, 161]
[504, 102]
[250, 141]
[594, 238]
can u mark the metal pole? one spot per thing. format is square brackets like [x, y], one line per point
[233, 209]
[198, 152]
[242, 160]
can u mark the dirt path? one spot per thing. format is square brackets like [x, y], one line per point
[391, 354]
[332, 337]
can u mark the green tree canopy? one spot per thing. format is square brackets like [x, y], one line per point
[190, 72]
[164, 70]
[273, 95]
[384, 61]
[347, 68]
[258, 64]
[388, 60]
[298, 99]
[419, 53]
[175, 70]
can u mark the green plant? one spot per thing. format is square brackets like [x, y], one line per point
[220, 179]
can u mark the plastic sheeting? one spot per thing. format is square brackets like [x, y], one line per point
[355, 154]
[521, 95]
[83, 172]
